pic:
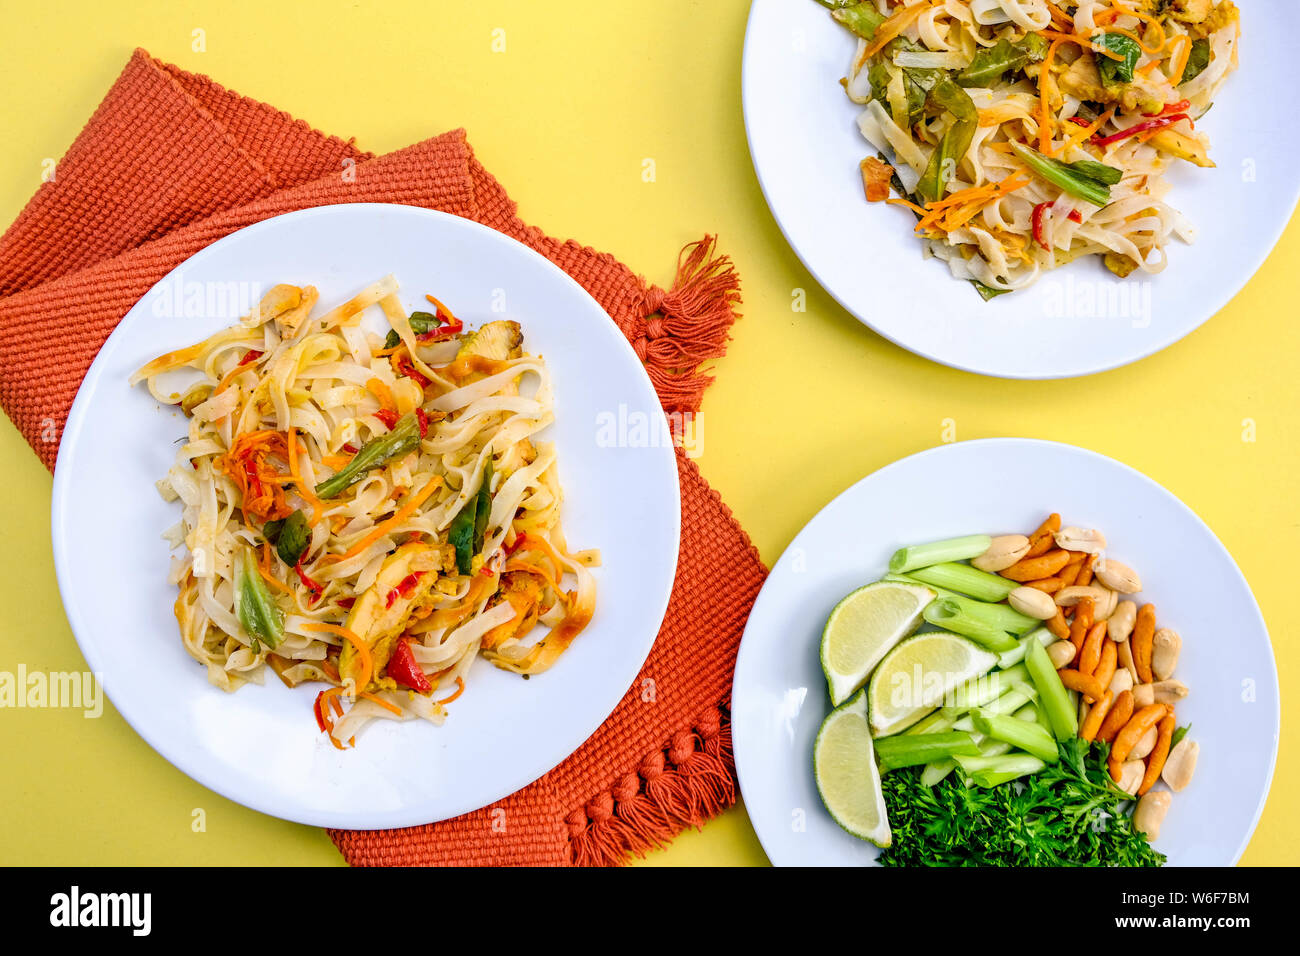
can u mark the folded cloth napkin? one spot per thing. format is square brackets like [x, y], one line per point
[170, 162]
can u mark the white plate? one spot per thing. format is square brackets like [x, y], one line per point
[1080, 319]
[779, 698]
[260, 746]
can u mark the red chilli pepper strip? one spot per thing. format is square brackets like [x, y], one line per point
[1179, 107]
[519, 543]
[1040, 236]
[1079, 121]
[252, 355]
[442, 332]
[1075, 216]
[346, 602]
[404, 588]
[403, 668]
[388, 416]
[314, 587]
[1146, 127]
[423, 421]
[406, 369]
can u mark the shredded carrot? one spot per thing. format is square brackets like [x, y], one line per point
[443, 310]
[337, 462]
[264, 569]
[1059, 16]
[363, 649]
[954, 211]
[1086, 42]
[537, 542]
[1046, 124]
[383, 393]
[257, 482]
[460, 689]
[1153, 50]
[382, 703]
[1118, 9]
[1087, 132]
[381, 529]
[230, 377]
[895, 201]
[896, 24]
[1180, 61]
[329, 696]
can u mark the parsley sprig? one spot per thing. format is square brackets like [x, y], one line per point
[1070, 814]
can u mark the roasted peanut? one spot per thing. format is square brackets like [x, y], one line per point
[1033, 602]
[1069, 597]
[1120, 624]
[1088, 540]
[1150, 812]
[1130, 776]
[1116, 575]
[1005, 551]
[1181, 764]
[1146, 743]
[1120, 682]
[1160, 692]
[1164, 652]
[1061, 654]
[1106, 606]
[1125, 649]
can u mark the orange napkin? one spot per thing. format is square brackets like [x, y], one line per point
[170, 162]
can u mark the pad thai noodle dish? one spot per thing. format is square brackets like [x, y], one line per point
[369, 514]
[1025, 134]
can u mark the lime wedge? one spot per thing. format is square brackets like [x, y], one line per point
[863, 627]
[844, 764]
[916, 675]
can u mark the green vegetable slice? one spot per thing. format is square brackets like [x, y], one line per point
[402, 440]
[1086, 179]
[1117, 72]
[470, 524]
[420, 322]
[992, 63]
[254, 607]
[1052, 696]
[862, 18]
[1197, 60]
[987, 292]
[946, 157]
[290, 536]
[916, 749]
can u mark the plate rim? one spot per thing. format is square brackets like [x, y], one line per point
[1227, 291]
[407, 815]
[738, 732]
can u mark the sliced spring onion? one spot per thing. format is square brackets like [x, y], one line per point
[911, 751]
[1053, 698]
[951, 616]
[1076, 179]
[963, 578]
[1017, 654]
[937, 552]
[1026, 735]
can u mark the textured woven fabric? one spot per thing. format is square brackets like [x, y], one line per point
[172, 161]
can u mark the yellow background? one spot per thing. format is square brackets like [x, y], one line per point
[565, 116]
